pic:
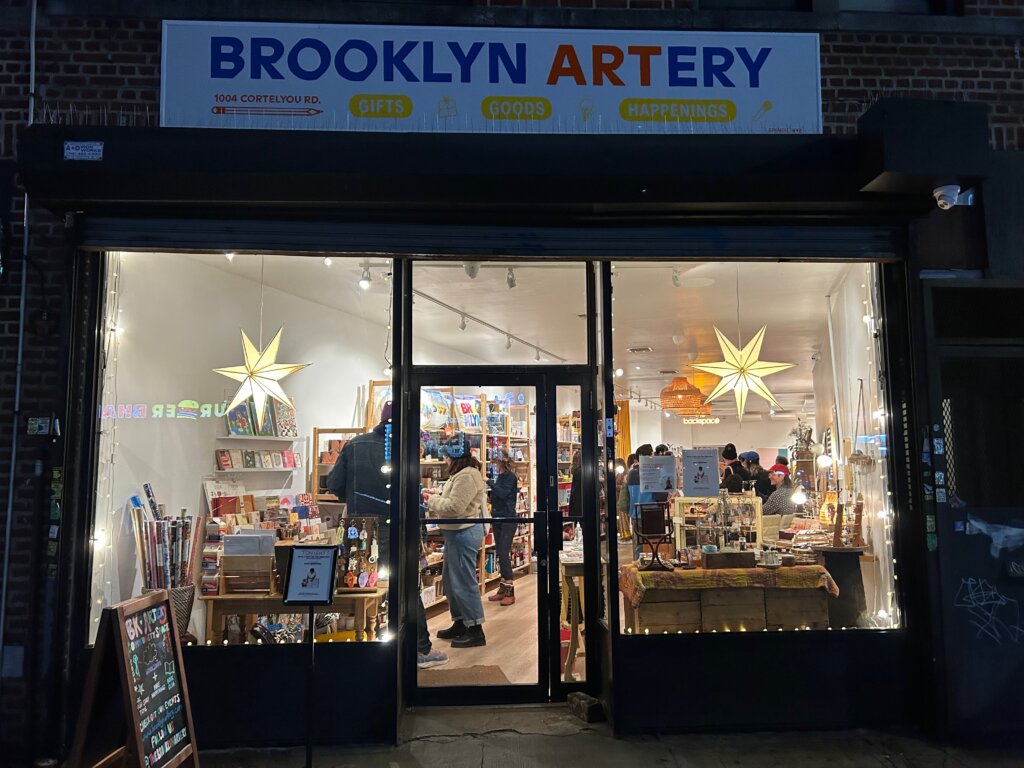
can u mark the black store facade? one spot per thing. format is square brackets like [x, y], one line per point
[403, 204]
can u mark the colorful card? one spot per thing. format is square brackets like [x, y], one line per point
[223, 459]
[268, 461]
[284, 419]
[277, 459]
[240, 421]
[236, 458]
[248, 460]
[265, 428]
[289, 459]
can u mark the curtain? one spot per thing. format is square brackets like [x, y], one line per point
[623, 446]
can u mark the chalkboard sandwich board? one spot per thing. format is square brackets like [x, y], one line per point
[135, 709]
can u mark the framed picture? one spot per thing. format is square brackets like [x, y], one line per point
[239, 421]
[379, 393]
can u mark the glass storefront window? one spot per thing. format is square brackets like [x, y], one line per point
[244, 409]
[749, 400]
[498, 313]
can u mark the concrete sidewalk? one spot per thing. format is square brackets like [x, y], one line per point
[509, 737]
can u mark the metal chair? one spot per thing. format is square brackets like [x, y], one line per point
[652, 527]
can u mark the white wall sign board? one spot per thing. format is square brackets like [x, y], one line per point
[700, 472]
[657, 474]
[487, 80]
[310, 578]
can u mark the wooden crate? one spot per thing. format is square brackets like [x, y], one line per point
[669, 610]
[735, 609]
[796, 608]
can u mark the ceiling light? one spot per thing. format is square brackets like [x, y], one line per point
[678, 339]
[676, 278]
[510, 278]
[537, 356]
[472, 268]
[387, 371]
[637, 367]
[462, 323]
[619, 372]
[364, 279]
[636, 350]
[798, 497]
[508, 342]
[230, 255]
[328, 261]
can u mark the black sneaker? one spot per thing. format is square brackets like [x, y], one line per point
[473, 637]
[458, 629]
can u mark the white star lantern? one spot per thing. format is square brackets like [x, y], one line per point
[260, 375]
[741, 371]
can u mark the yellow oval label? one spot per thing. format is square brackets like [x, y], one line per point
[516, 108]
[678, 110]
[380, 105]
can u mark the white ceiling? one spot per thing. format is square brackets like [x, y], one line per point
[545, 308]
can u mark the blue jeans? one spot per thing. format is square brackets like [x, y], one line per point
[459, 575]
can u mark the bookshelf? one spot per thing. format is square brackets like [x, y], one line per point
[493, 427]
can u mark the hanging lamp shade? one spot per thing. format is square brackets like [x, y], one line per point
[684, 398]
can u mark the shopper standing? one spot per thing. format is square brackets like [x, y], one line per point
[733, 466]
[633, 488]
[781, 500]
[462, 496]
[758, 474]
[504, 490]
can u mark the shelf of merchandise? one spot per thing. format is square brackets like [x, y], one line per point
[254, 469]
[259, 438]
[523, 443]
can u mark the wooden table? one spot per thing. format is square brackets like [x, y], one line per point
[571, 570]
[363, 603]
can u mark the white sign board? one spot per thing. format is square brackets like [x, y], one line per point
[700, 472]
[310, 579]
[658, 474]
[487, 80]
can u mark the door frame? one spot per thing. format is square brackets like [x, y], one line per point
[547, 527]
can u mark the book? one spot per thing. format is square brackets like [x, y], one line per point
[284, 420]
[224, 459]
[248, 460]
[239, 421]
[265, 426]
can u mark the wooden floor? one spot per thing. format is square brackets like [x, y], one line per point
[511, 633]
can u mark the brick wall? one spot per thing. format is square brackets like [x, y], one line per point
[106, 71]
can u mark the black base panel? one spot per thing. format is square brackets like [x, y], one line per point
[741, 681]
[255, 696]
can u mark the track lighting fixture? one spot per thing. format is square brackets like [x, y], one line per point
[510, 278]
[536, 355]
[364, 280]
[328, 261]
[472, 268]
[508, 342]
[462, 323]
[676, 278]
[230, 255]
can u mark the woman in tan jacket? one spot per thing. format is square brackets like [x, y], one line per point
[462, 496]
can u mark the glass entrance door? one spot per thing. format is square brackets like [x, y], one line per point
[497, 503]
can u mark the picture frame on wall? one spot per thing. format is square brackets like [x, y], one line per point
[379, 393]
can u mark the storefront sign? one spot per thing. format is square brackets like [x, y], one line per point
[486, 80]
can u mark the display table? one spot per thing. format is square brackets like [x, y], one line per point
[726, 599]
[362, 604]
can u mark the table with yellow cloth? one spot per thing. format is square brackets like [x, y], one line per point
[726, 599]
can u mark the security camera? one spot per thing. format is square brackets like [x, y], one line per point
[946, 195]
